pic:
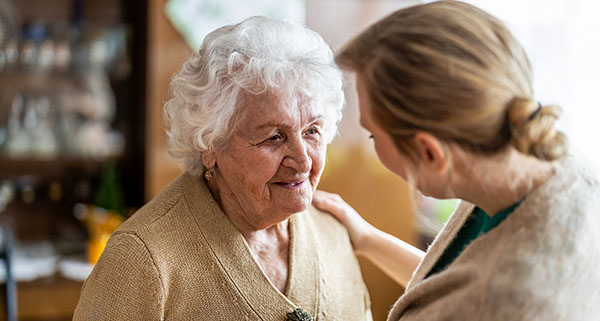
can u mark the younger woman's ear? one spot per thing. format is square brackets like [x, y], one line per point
[209, 159]
[431, 151]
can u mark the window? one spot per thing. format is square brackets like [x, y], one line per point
[562, 39]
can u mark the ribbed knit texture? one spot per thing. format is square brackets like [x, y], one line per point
[541, 263]
[180, 258]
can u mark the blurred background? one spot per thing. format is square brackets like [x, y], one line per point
[82, 144]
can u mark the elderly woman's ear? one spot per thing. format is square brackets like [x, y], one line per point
[209, 159]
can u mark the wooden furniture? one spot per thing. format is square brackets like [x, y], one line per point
[53, 299]
[167, 51]
[47, 189]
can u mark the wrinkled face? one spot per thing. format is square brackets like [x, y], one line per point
[272, 164]
[385, 148]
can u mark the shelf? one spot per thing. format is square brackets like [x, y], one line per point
[53, 298]
[14, 168]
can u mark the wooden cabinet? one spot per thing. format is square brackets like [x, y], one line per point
[46, 187]
[53, 298]
[167, 51]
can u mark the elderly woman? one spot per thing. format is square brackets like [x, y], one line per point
[233, 238]
[446, 92]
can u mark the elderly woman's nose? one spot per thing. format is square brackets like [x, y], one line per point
[298, 157]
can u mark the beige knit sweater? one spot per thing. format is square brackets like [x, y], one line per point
[542, 263]
[180, 258]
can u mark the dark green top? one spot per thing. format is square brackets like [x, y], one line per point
[478, 223]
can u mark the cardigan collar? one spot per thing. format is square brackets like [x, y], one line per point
[441, 242]
[235, 258]
[562, 179]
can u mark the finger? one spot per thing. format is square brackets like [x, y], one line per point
[319, 200]
[320, 193]
[331, 196]
[323, 194]
[324, 203]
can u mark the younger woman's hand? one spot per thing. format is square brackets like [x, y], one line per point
[357, 227]
[395, 257]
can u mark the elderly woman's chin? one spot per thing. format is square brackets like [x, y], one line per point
[289, 200]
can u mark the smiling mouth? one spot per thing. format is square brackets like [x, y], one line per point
[290, 185]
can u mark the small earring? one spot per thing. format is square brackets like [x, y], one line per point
[208, 174]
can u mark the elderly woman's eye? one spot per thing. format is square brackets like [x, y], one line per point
[312, 131]
[275, 137]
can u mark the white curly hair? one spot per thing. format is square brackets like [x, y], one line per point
[236, 62]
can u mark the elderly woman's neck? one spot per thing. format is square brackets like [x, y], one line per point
[254, 227]
[256, 234]
[267, 236]
[493, 183]
[267, 239]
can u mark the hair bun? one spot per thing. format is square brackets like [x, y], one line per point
[533, 129]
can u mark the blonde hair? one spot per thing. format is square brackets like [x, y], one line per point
[455, 71]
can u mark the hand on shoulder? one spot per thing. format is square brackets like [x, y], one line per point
[358, 228]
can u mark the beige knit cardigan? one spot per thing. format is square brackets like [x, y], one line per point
[541, 263]
[180, 258]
